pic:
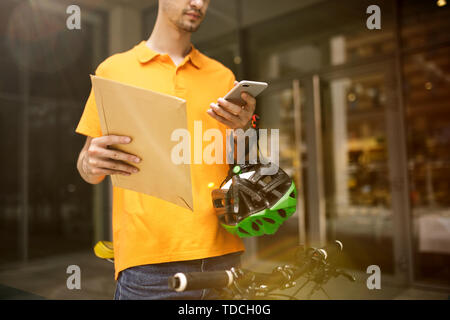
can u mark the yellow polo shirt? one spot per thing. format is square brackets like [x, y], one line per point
[147, 230]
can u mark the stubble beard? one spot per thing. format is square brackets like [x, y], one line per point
[187, 27]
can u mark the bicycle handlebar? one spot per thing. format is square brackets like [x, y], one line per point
[221, 279]
[201, 280]
[333, 250]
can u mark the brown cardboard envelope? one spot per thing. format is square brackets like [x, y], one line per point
[149, 118]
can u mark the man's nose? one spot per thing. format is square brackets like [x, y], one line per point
[197, 3]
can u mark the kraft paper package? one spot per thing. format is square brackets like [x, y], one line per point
[149, 118]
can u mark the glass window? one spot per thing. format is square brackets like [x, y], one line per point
[9, 82]
[326, 34]
[427, 96]
[47, 67]
[277, 111]
[424, 23]
[10, 186]
[357, 181]
[57, 59]
[217, 37]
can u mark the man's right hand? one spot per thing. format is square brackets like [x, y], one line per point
[97, 159]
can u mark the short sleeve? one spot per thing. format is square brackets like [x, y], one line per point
[89, 124]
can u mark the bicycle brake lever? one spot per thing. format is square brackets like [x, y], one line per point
[346, 275]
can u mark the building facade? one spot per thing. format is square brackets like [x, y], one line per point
[364, 119]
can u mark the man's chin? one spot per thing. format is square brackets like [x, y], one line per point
[189, 27]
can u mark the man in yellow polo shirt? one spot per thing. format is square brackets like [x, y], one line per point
[154, 239]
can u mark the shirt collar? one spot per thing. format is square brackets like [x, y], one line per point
[144, 54]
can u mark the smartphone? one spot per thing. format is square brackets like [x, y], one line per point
[252, 87]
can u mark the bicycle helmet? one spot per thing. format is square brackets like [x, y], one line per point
[251, 203]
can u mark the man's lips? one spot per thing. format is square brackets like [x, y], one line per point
[193, 15]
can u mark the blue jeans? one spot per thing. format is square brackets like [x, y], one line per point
[150, 282]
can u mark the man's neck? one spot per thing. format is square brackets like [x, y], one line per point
[167, 38]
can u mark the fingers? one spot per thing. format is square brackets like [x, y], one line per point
[232, 115]
[103, 171]
[114, 167]
[222, 112]
[102, 161]
[220, 119]
[250, 102]
[113, 154]
[98, 148]
[111, 139]
[230, 107]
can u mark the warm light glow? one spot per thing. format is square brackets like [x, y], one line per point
[441, 3]
[351, 97]
[211, 184]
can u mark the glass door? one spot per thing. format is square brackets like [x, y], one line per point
[281, 107]
[427, 92]
[356, 161]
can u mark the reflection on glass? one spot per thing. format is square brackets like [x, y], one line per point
[356, 173]
[301, 43]
[42, 93]
[9, 188]
[337, 49]
[427, 96]
[423, 23]
[277, 112]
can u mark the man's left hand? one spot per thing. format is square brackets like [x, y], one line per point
[232, 115]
